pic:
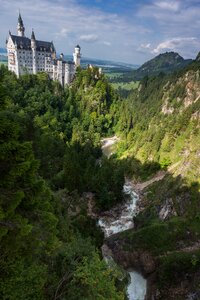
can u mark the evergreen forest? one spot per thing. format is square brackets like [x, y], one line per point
[50, 146]
[51, 161]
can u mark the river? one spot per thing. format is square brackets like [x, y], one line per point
[120, 219]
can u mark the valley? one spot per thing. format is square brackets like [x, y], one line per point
[141, 185]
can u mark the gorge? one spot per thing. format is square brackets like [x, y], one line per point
[120, 219]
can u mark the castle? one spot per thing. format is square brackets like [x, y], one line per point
[32, 56]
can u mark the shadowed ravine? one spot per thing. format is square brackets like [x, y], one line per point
[120, 219]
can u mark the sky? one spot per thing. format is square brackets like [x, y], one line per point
[131, 31]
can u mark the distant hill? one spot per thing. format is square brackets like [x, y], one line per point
[3, 55]
[3, 58]
[106, 65]
[166, 62]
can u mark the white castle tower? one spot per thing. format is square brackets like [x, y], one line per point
[20, 26]
[77, 55]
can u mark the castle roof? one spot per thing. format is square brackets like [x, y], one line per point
[25, 43]
[21, 41]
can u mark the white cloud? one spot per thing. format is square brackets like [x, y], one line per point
[67, 23]
[125, 37]
[174, 23]
[63, 32]
[168, 5]
[173, 17]
[89, 38]
[146, 46]
[177, 44]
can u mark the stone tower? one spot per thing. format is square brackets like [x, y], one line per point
[77, 55]
[34, 52]
[20, 26]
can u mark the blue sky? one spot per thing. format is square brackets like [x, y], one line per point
[127, 30]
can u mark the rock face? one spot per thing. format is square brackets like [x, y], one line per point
[167, 210]
[141, 261]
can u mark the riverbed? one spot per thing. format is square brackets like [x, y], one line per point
[119, 219]
[108, 145]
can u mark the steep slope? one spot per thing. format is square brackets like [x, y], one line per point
[161, 129]
[162, 120]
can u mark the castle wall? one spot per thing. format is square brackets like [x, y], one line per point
[69, 73]
[25, 61]
[12, 58]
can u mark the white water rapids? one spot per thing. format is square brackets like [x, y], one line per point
[121, 219]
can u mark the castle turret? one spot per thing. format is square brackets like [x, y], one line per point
[34, 52]
[62, 56]
[77, 55]
[20, 26]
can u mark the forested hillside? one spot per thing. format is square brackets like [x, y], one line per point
[49, 148]
[160, 130]
[160, 122]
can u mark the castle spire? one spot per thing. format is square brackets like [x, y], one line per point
[20, 26]
[20, 20]
[32, 35]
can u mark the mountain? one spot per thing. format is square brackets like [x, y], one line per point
[166, 62]
[163, 63]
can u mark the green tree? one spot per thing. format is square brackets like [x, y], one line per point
[95, 281]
